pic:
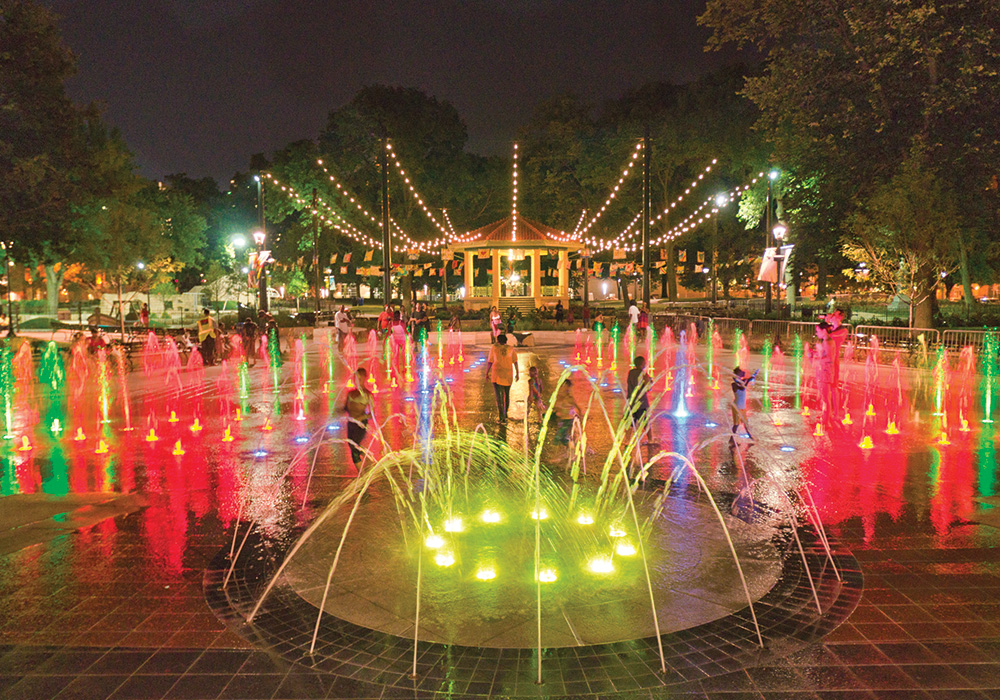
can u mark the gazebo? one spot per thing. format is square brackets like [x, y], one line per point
[506, 244]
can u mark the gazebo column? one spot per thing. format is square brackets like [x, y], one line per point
[536, 277]
[469, 277]
[564, 277]
[496, 278]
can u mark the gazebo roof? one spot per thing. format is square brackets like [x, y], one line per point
[516, 231]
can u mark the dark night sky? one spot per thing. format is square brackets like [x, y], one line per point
[197, 87]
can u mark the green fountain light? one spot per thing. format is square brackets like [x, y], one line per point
[453, 524]
[585, 519]
[490, 516]
[486, 573]
[434, 542]
[616, 531]
[444, 559]
[625, 549]
[539, 514]
[547, 575]
[602, 565]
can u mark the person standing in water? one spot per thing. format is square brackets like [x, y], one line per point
[502, 369]
[359, 408]
[739, 405]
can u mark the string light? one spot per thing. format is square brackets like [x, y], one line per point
[513, 215]
[614, 190]
[420, 200]
[341, 225]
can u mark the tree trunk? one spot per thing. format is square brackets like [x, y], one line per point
[671, 272]
[967, 295]
[53, 282]
[923, 313]
[820, 277]
[121, 311]
[725, 288]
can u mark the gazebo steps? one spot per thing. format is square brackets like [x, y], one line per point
[523, 304]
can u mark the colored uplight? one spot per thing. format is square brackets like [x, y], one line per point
[302, 439]
[178, 449]
[333, 426]
[102, 448]
[434, 541]
[616, 531]
[151, 437]
[453, 525]
[444, 559]
[56, 426]
[539, 514]
[711, 424]
[486, 573]
[173, 417]
[547, 575]
[866, 443]
[585, 519]
[602, 565]
[196, 426]
[490, 516]
[625, 549]
[260, 453]
[228, 435]
[787, 448]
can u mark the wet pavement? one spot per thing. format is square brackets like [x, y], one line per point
[103, 570]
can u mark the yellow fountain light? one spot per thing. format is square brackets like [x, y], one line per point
[434, 541]
[102, 448]
[453, 524]
[891, 429]
[943, 439]
[196, 426]
[602, 565]
[267, 425]
[805, 411]
[616, 531]
[151, 437]
[547, 575]
[486, 573]
[228, 435]
[866, 443]
[80, 436]
[239, 415]
[444, 559]
[819, 430]
[585, 519]
[965, 426]
[178, 449]
[539, 514]
[25, 444]
[847, 419]
[490, 516]
[173, 417]
[871, 410]
[625, 549]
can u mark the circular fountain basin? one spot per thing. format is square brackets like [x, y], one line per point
[478, 584]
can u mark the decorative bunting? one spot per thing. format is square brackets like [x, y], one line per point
[368, 255]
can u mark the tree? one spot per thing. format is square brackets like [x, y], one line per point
[904, 231]
[851, 88]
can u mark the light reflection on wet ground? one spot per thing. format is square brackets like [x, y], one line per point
[917, 513]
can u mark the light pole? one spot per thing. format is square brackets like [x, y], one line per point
[771, 177]
[778, 233]
[8, 263]
[720, 201]
[259, 236]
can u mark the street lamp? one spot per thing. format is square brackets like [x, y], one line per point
[259, 237]
[772, 176]
[8, 263]
[721, 200]
[779, 231]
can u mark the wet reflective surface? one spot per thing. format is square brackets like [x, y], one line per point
[104, 552]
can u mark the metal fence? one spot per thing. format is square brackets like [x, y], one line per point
[956, 340]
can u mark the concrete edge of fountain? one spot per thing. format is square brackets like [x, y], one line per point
[787, 616]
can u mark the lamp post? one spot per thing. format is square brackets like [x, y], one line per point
[778, 233]
[771, 177]
[720, 201]
[259, 237]
[8, 263]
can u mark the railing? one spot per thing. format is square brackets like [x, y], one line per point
[896, 337]
[956, 340]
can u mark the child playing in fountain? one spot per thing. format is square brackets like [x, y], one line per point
[535, 390]
[739, 405]
[639, 384]
[358, 407]
[564, 411]
[823, 364]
